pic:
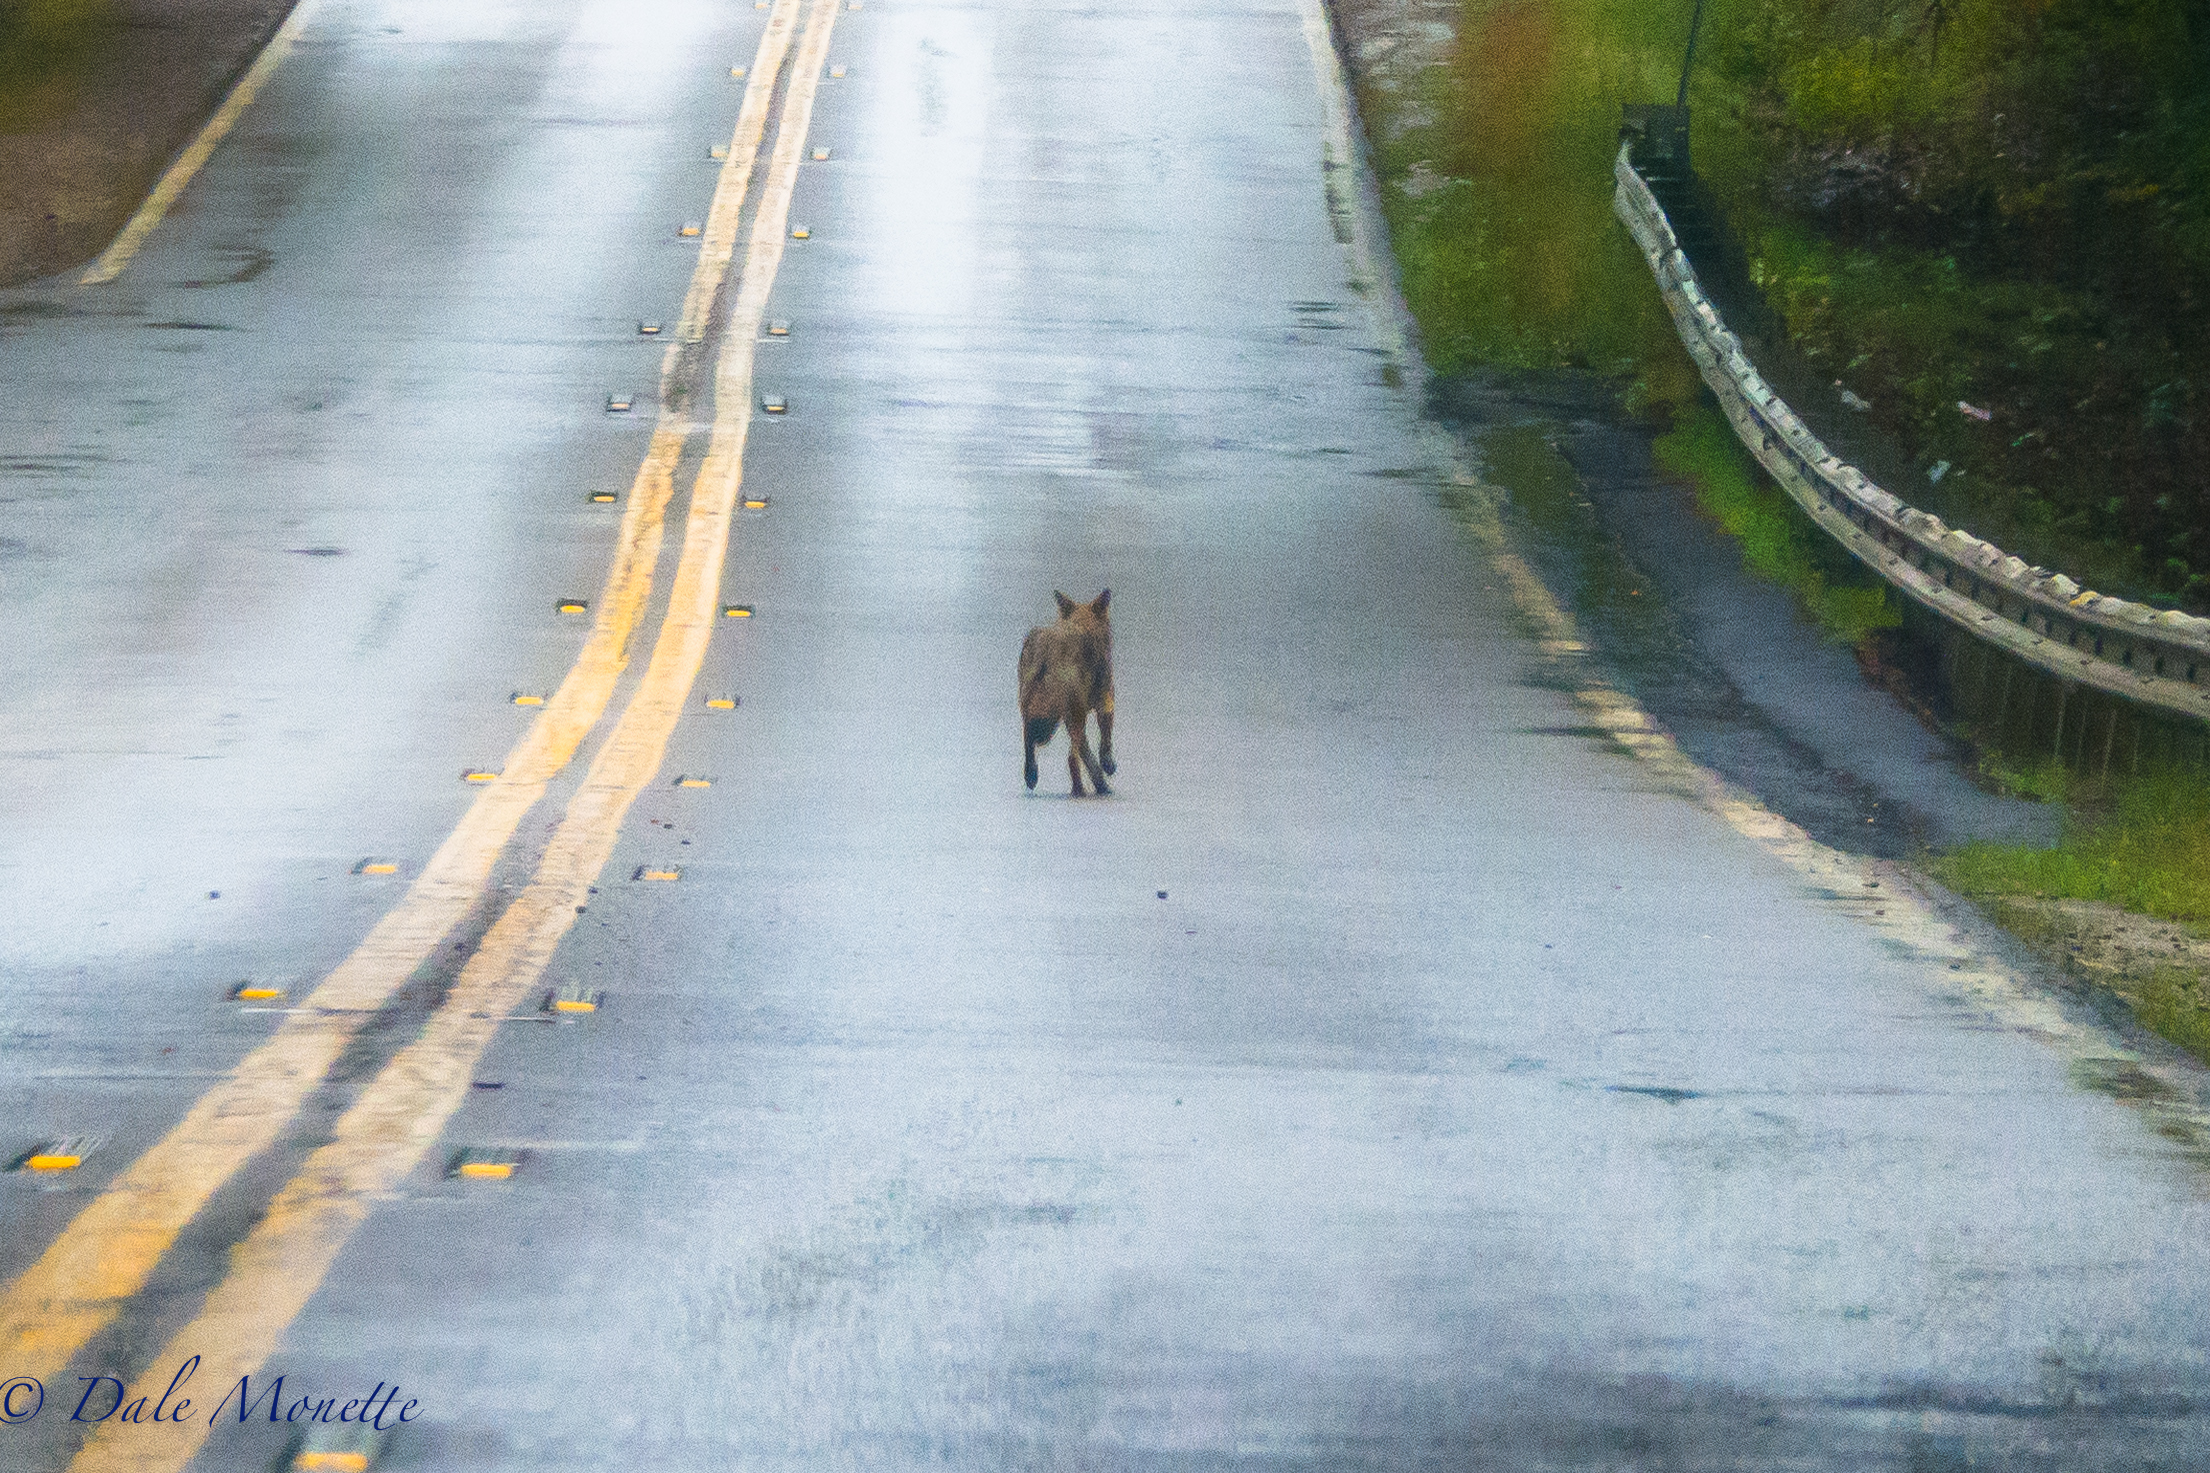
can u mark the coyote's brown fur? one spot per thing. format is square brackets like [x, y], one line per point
[1067, 673]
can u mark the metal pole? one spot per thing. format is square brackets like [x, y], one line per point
[1690, 59]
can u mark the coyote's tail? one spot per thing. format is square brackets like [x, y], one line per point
[1040, 729]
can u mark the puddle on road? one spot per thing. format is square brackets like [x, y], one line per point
[1666, 1093]
[2121, 1079]
[1745, 683]
[246, 262]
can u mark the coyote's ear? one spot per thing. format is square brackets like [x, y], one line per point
[1066, 605]
[1097, 604]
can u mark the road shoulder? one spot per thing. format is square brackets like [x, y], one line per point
[86, 157]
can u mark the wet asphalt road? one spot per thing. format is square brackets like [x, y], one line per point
[1386, 1076]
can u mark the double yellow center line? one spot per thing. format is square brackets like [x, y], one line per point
[107, 1253]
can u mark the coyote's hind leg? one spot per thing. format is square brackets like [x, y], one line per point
[1035, 731]
[1079, 754]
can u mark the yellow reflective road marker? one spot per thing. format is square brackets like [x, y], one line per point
[526, 698]
[479, 775]
[572, 606]
[690, 228]
[721, 703]
[322, 1462]
[66, 1154]
[647, 872]
[395, 1120]
[737, 611]
[338, 1449]
[483, 1165]
[573, 999]
[54, 1156]
[188, 163]
[109, 1250]
[694, 782]
[375, 867]
[256, 992]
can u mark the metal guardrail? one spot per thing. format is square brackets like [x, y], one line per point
[2159, 658]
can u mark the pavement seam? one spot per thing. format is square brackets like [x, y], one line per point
[398, 1118]
[110, 1249]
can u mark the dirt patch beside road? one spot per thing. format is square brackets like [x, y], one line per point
[2161, 969]
[95, 142]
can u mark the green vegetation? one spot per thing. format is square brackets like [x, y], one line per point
[2169, 1001]
[2004, 203]
[2000, 204]
[2043, 779]
[44, 44]
[2142, 846]
[1498, 199]
[2149, 853]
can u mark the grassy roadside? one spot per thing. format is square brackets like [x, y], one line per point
[44, 47]
[1991, 224]
[2144, 847]
[2134, 852]
[1497, 157]
[1494, 175]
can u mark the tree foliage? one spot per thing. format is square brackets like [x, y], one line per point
[2004, 202]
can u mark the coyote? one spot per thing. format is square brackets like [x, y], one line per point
[1066, 673]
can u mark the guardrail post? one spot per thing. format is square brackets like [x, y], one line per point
[1695, 22]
